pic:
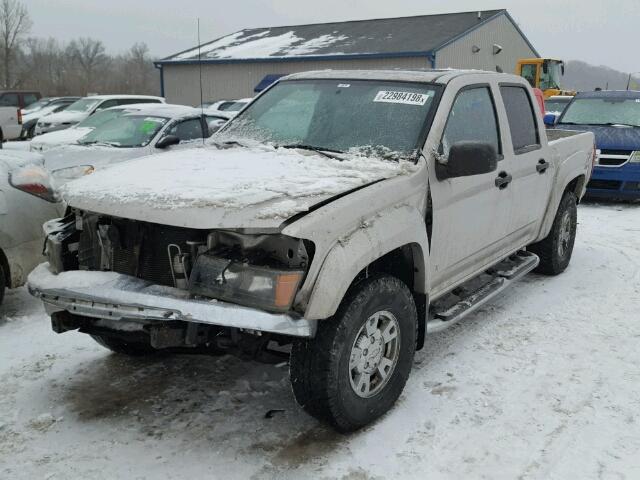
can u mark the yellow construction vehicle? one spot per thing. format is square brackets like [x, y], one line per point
[543, 73]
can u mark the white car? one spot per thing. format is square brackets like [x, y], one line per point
[135, 132]
[26, 202]
[85, 107]
[227, 107]
[71, 135]
[31, 116]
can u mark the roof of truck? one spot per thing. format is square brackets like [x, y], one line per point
[419, 75]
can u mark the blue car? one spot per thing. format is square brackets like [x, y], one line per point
[614, 118]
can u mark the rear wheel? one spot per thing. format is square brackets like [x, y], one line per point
[556, 249]
[117, 345]
[356, 367]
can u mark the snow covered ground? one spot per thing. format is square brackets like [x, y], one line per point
[544, 383]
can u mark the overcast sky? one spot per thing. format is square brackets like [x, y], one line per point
[601, 32]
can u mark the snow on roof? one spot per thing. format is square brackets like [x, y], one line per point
[159, 109]
[418, 34]
[109, 97]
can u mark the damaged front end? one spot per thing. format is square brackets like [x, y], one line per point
[181, 287]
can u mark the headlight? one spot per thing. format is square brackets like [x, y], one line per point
[635, 157]
[238, 282]
[34, 180]
[64, 175]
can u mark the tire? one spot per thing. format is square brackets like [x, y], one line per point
[3, 284]
[555, 250]
[327, 371]
[31, 132]
[132, 349]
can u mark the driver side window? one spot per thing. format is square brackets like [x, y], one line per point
[472, 119]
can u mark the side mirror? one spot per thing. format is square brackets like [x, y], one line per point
[470, 158]
[168, 141]
[550, 119]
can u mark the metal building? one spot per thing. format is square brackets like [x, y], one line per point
[242, 63]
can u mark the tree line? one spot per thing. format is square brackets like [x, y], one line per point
[79, 67]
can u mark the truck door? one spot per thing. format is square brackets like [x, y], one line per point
[527, 162]
[468, 212]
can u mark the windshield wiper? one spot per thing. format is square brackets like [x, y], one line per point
[618, 124]
[321, 150]
[101, 144]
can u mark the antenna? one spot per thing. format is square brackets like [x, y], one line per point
[202, 119]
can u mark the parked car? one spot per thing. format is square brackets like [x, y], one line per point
[26, 202]
[343, 213]
[50, 140]
[614, 118]
[136, 131]
[557, 103]
[31, 116]
[228, 107]
[86, 107]
[18, 98]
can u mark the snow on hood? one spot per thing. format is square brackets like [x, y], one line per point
[74, 155]
[64, 117]
[232, 188]
[59, 137]
[16, 158]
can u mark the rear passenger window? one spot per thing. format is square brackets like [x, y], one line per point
[522, 120]
[29, 98]
[187, 130]
[9, 100]
[472, 119]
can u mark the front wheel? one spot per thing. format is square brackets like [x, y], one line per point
[556, 248]
[3, 284]
[356, 367]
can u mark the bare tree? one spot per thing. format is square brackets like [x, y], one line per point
[90, 56]
[14, 25]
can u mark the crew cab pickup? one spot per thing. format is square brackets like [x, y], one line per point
[337, 220]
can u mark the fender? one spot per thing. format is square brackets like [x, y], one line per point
[573, 167]
[373, 238]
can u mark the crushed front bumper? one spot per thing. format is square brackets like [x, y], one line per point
[113, 296]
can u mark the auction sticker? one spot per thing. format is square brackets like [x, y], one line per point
[407, 98]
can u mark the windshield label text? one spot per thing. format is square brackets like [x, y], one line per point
[406, 98]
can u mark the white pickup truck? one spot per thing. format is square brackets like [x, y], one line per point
[10, 124]
[337, 220]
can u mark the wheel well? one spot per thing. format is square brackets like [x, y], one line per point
[407, 264]
[576, 185]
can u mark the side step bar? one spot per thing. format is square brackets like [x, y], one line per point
[471, 295]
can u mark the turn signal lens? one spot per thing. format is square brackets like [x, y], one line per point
[34, 180]
[635, 157]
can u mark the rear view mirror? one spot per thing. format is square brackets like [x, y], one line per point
[550, 119]
[167, 141]
[470, 158]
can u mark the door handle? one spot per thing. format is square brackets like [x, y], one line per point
[542, 165]
[503, 180]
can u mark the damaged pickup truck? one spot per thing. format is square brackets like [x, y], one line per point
[337, 220]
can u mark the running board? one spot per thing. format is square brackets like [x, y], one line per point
[471, 295]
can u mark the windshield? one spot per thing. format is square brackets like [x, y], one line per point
[337, 115]
[99, 118]
[128, 131]
[43, 102]
[551, 79]
[603, 111]
[556, 106]
[83, 105]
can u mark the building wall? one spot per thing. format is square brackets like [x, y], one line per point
[237, 80]
[497, 31]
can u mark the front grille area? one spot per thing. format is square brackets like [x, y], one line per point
[615, 152]
[606, 161]
[604, 184]
[133, 248]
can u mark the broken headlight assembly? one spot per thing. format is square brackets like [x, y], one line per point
[260, 271]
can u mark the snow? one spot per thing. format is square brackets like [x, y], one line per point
[542, 383]
[21, 146]
[260, 45]
[269, 182]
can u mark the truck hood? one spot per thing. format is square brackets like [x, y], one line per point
[209, 188]
[610, 138]
[97, 156]
[15, 159]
